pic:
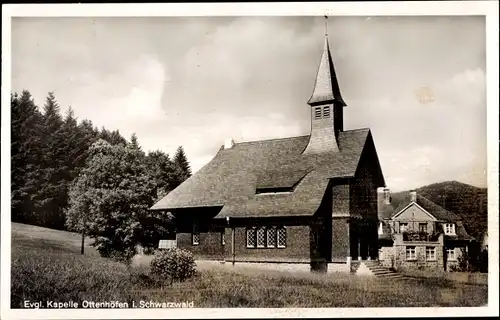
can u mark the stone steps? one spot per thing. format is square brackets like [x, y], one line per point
[375, 269]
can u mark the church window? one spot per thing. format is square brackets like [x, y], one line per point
[251, 241]
[281, 237]
[266, 237]
[261, 238]
[271, 237]
[195, 240]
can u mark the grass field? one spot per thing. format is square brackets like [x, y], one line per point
[47, 265]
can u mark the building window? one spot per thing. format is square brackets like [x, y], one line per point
[450, 254]
[281, 237]
[403, 227]
[251, 241]
[261, 238]
[449, 228]
[195, 239]
[411, 253]
[326, 112]
[430, 253]
[271, 237]
[222, 238]
[317, 113]
[422, 227]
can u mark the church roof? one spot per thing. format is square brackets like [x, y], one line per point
[233, 178]
[326, 87]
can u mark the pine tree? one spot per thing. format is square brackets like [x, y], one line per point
[88, 136]
[182, 165]
[72, 139]
[116, 138]
[25, 156]
[112, 137]
[105, 135]
[52, 193]
[162, 172]
[134, 142]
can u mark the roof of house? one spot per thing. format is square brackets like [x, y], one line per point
[434, 209]
[232, 177]
[438, 212]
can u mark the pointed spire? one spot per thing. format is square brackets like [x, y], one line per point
[326, 87]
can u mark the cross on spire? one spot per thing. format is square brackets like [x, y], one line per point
[326, 25]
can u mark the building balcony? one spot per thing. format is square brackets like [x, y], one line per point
[415, 237]
[420, 237]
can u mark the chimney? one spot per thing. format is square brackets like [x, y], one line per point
[413, 196]
[384, 196]
[387, 196]
[384, 206]
[229, 143]
[383, 201]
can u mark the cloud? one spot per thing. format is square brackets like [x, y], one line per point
[197, 81]
[129, 100]
[143, 102]
[226, 67]
[201, 141]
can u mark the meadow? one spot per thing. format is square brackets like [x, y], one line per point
[47, 265]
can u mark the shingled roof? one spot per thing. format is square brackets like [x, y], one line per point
[434, 209]
[326, 86]
[230, 180]
[438, 212]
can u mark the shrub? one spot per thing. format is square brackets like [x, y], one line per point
[482, 263]
[173, 264]
[465, 261]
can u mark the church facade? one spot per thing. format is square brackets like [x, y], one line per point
[308, 200]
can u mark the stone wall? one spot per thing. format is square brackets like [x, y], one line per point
[395, 257]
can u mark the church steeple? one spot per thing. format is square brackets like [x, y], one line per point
[326, 87]
[326, 106]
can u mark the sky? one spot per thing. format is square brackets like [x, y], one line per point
[197, 81]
